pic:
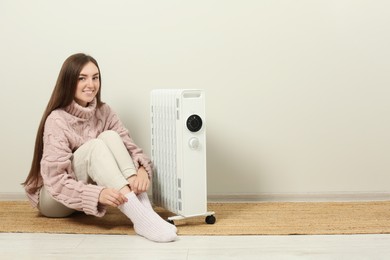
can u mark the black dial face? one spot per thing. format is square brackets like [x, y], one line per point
[194, 123]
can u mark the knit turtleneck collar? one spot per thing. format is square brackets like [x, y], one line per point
[80, 111]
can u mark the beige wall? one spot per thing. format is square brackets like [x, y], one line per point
[297, 91]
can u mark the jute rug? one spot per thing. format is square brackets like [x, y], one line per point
[267, 218]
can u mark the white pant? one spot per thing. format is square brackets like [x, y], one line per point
[104, 161]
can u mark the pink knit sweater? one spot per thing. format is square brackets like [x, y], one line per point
[65, 131]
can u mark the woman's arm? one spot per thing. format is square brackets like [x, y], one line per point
[57, 173]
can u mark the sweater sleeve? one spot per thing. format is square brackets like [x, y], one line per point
[58, 176]
[136, 153]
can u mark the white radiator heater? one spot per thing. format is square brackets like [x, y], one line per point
[178, 151]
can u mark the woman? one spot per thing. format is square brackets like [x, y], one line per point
[84, 158]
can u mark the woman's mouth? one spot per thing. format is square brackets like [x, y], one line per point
[88, 91]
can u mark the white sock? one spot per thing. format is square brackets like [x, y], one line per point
[144, 199]
[145, 222]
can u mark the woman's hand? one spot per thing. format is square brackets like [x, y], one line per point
[111, 197]
[140, 182]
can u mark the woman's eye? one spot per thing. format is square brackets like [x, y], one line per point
[81, 78]
[95, 78]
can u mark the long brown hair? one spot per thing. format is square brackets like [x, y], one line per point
[62, 96]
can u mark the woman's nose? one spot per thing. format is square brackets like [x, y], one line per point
[90, 82]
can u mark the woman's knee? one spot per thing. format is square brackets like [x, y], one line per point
[92, 145]
[86, 153]
[108, 134]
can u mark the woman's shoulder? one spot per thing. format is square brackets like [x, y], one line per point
[104, 106]
[106, 113]
[56, 114]
[57, 117]
[105, 109]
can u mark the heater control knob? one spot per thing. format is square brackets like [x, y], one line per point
[193, 143]
[194, 123]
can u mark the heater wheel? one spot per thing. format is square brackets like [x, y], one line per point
[210, 219]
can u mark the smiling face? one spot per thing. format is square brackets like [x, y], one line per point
[88, 84]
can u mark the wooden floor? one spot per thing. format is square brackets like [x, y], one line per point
[62, 246]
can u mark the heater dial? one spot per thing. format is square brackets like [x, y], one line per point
[194, 123]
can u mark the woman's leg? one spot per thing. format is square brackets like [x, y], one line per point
[95, 161]
[114, 142]
[125, 163]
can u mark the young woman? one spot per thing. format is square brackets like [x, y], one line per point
[84, 158]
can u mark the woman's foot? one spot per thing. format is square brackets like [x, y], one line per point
[147, 223]
[144, 199]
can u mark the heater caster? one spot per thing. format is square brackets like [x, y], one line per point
[210, 219]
